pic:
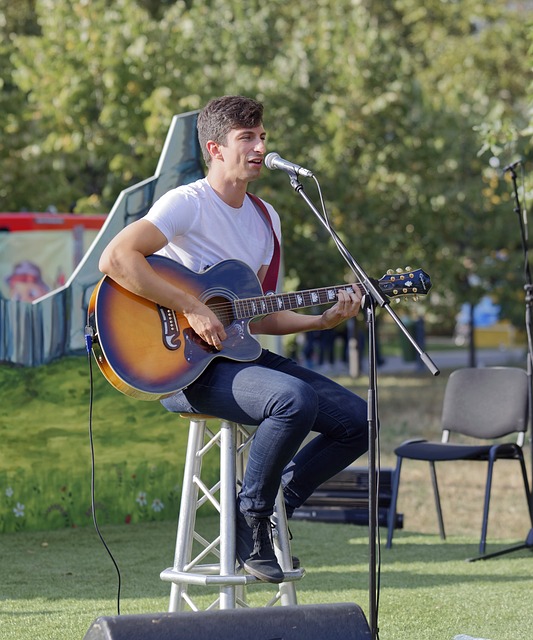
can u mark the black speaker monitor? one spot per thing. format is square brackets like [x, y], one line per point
[343, 621]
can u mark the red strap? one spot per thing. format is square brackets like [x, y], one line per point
[271, 278]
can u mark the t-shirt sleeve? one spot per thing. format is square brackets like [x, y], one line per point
[173, 213]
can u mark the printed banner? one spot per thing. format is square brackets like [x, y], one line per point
[32, 263]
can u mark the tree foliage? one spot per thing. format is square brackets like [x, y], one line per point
[397, 106]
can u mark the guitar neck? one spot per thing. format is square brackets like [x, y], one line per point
[262, 305]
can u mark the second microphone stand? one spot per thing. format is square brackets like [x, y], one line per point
[373, 297]
[528, 288]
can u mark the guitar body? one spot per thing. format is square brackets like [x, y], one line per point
[149, 352]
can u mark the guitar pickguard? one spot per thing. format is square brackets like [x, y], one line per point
[194, 344]
[235, 335]
[170, 329]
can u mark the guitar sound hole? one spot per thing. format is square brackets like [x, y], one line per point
[222, 309]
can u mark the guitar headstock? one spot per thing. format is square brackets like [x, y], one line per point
[403, 283]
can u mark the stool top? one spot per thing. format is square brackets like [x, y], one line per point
[198, 416]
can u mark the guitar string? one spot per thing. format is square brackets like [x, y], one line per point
[273, 297]
[224, 310]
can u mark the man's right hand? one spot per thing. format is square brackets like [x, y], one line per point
[206, 325]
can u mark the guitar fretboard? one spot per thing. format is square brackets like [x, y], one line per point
[252, 307]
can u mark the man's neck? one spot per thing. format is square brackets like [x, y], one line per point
[232, 193]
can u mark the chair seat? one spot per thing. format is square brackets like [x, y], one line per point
[426, 450]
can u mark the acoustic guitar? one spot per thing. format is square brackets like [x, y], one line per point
[149, 352]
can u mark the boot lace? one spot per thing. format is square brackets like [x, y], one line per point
[262, 535]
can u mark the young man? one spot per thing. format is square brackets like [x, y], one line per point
[199, 225]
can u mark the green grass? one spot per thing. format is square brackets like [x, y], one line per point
[56, 583]
[45, 458]
[57, 580]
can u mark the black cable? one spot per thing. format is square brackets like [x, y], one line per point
[88, 344]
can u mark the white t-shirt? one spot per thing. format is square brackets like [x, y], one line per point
[202, 229]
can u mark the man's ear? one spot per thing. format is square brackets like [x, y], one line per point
[213, 148]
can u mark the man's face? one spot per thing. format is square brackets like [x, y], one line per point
[243, 153]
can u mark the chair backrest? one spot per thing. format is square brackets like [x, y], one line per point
[488, 402]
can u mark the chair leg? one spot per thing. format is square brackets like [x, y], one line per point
[436, 493]
[391, 516]
[527, 490]
[486, 505]
[488, 487]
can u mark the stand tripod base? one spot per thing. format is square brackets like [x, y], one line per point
[528, 544]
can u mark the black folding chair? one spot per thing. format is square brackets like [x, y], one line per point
[484, 404]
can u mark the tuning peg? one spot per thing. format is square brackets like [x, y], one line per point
[408, 269]
[416, 298]
[390, 272]
[398, 270]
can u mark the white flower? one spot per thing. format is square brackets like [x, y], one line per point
[19, 510]
[9, 492]
[141, 498]
[157, 505]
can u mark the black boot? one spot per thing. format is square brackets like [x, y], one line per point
[255, 549]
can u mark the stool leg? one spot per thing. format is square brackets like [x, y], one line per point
[243, 440]
[187, 514]
[227, 510]
[282, 548]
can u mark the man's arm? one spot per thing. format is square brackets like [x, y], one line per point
[287, 322]
[124, 260]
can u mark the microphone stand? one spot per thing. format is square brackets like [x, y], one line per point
[373, 296]
[528, 288]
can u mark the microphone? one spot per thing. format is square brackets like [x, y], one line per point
[513, 165]
[274, 161]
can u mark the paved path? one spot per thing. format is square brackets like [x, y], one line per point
[443, 360]
[457, 358]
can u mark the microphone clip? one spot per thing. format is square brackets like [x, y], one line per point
[512, 166]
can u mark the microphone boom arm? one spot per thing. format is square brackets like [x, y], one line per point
[367, 282]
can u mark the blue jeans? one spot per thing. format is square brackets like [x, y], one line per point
[286, 402]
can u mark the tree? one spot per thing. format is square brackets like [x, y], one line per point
[394, 105]
[15, 18]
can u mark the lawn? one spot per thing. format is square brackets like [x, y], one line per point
[57, 577]
[45, 461]
[56, 583]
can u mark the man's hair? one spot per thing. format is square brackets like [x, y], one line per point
[221, 115]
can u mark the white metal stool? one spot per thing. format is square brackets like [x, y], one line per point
[233, 440]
